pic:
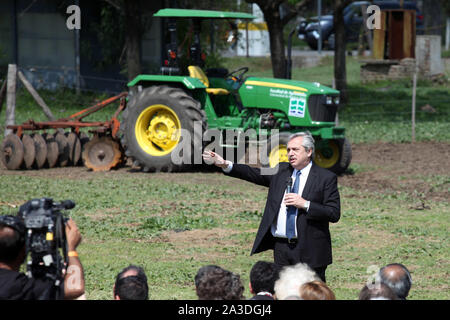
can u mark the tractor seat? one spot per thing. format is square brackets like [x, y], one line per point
[196, 72]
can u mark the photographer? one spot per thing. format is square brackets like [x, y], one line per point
[17, 286]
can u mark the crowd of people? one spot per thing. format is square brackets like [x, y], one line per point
[268, 280]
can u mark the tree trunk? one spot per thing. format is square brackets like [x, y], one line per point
[276, 46]
[133, 37]
[340, 74]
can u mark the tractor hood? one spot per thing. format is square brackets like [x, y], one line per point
[298, 100]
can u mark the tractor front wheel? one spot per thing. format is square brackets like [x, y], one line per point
[334, 155]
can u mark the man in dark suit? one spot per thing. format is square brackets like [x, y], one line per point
[295, 224]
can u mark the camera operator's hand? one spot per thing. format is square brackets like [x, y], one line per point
[74, 278]
[73, 235]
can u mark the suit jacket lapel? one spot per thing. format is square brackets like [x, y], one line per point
[312, 179]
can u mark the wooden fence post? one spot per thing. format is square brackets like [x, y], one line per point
[10, 97]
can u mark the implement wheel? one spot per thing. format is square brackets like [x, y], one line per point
[29, 149]
[74, 146]
[63, 149]
[12, 152]
[101, 154]
[52, 150]
[155, 123]
[41, 150]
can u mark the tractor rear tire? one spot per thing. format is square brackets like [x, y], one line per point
[152, 124]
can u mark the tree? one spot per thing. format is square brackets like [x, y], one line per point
[275, 25]
[340, 72]
[131, 9]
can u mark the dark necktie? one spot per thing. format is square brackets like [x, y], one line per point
[290, 218]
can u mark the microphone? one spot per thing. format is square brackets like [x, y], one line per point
[289, 185]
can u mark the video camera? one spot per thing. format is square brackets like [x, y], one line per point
[42, 225]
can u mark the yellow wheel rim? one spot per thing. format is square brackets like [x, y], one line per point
[327, 159]
[277, 155]
[158, 130]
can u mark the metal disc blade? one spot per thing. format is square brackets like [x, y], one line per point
[63, 149]
[52, 150]
[74, 147]
[12, 152]
[29, 151]
[41, 150]
[101, 154]
[84, 138]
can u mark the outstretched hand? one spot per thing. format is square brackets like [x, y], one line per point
[211, 157]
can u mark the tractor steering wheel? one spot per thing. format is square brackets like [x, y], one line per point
[240, 73]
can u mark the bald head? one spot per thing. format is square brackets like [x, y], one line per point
[397, 277]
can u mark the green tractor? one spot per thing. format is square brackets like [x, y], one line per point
[162, 106]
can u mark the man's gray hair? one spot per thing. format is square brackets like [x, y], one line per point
[308, 141]
[400, 282]
[291, 278]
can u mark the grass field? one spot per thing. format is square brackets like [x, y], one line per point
[172, 224]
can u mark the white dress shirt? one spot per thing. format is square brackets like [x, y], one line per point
[279, 226]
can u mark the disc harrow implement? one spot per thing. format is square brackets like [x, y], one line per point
[65, 142]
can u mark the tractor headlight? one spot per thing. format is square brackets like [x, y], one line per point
[336, 100]
[329, 100]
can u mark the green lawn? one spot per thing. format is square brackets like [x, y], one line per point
[172, 224]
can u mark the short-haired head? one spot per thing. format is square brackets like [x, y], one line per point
[397, 277]
[215, 283]
[263, 276]
[131, 284]
[316, 290]
[12, 238]
[307, 141]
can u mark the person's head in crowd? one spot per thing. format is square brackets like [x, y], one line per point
[262, 278]
[12, 243]
[131, 284]
[316, 290]
[291, 278]
[215, 283]
[397, 277]
[377, 291]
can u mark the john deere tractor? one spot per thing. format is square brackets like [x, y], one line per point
[160, 106]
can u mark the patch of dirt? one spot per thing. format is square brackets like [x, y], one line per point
[380, 167]
[207, 239]
[401, 167]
